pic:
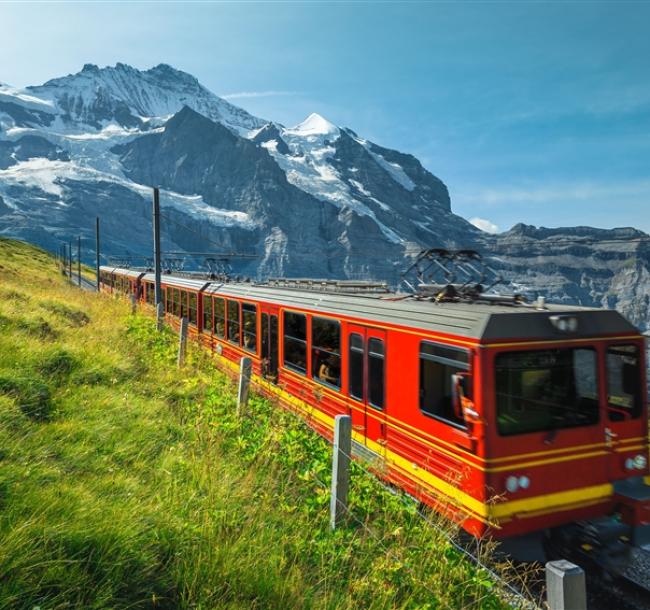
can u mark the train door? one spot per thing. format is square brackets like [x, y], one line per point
[366, 382]
[270, 342]
[625, 420]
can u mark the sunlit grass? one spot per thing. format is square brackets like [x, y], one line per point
[125, 482]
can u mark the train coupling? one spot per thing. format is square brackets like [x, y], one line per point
[632, 498]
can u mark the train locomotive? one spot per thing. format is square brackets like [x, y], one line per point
[526, 422]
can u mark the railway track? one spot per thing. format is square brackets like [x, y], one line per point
[85, 284]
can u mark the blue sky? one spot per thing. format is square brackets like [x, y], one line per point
[535, 112]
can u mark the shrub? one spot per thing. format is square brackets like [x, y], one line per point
[32, 396]
[73, 317]
[57, 362]
[39, 328]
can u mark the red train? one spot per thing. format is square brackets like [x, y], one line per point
[513, 419]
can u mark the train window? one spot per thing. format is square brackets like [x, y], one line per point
[546, 390]
[437, 364]
[355, 364]
[182, 297]
[376, 372]
[219, 317]
[295, 341]
[623, 382]
[176, 297]
[265, 335]
[249, 321]
[326, 351]
[273, 346]
[192, 308]
[169, 300]
[233, 322]
[207, 314]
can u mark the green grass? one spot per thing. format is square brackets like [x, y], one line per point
[125, 483]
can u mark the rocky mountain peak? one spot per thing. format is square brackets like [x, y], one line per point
[96, 97]
[314, 125]
[310, 200]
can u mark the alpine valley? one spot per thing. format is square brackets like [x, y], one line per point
[314, 200]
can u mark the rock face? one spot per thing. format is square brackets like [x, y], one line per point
[579, 265]
[311, 200]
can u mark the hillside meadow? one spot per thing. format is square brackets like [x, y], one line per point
[127, 483]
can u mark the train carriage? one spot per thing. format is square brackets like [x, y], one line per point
[512, 419]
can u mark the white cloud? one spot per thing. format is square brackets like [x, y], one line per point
[248, 94]
[484, 225]
[558, 193]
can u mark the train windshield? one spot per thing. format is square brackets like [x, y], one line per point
[546, 389]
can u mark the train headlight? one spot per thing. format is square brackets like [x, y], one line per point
[565, 324]
[512, 484]
[638, 462]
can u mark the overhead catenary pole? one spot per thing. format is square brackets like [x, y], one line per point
[97, 252]
[79, 260]
[70, 260]
[156, 247]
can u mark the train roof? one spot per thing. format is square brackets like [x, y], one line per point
[472, 320]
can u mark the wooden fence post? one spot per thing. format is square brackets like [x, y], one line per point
[160, 316]
[341, 451]
[134, 302]
[565, 586]
[182, 342]
[245, 368]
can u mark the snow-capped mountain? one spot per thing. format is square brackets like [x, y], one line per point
[120, 96]
[311, 200]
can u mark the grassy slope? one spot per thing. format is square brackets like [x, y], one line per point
[126, 483]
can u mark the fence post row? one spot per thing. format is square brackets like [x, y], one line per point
[565, 586]
[342, 449]
[79, 261]
[245, 369]
[97, 273]
[182, 342]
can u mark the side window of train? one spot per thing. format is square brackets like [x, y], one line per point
[219, 317]
[178, 308]
[249, 321]
[437, 365]
[233, 321]
[295, 341]
[623, 382]
[355, 366]
[207, 314]
[182, 296]
[192, 308]
[326, 351]
[376, 372]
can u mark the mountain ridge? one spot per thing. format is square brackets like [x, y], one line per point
[315, 199]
